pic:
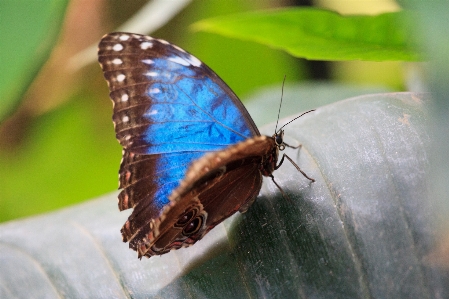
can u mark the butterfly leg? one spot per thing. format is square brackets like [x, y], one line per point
[291, 146]
[280, 189]
[294, 164]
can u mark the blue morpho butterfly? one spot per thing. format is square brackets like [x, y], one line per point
[192, 155]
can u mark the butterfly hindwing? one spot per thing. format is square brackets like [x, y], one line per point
[214, 187]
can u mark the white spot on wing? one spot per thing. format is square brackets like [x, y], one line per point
[179, 60]
[147, 61]
[117, 47]
[117, 61]
[125, 119]
[121, 77]
[146, 45]
[124, 97]
[152, 112]
[124, 37]
[154, 90]
[151, 74]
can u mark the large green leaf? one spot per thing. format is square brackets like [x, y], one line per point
[362, 230]
[29, 30]
[321, 35]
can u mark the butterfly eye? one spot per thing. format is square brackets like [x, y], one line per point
[193, 226]
[279, 139]
[186, 217]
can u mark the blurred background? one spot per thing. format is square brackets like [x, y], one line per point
[57, 142]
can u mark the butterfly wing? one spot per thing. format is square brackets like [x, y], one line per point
[169, 109]
[215, 186]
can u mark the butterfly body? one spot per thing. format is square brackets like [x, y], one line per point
[192, 155]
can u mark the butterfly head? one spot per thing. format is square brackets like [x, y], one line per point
[279, 140]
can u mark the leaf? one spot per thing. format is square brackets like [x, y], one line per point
[301, 96]
[432, 29]
[86, 156]
[363, 229]
[321, 35]
[29, 30]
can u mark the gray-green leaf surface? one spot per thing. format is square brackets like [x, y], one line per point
[362, 230]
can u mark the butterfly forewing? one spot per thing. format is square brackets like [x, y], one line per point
[157, 87]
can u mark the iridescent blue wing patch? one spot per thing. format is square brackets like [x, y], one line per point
[192, 155]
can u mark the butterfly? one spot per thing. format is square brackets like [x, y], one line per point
[192, 155]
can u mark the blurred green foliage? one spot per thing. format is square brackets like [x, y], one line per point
[69, 154]
[29, 30]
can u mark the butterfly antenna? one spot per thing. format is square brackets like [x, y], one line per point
[280, 105]
[293, 120]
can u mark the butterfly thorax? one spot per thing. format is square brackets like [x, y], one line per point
[269, 162]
